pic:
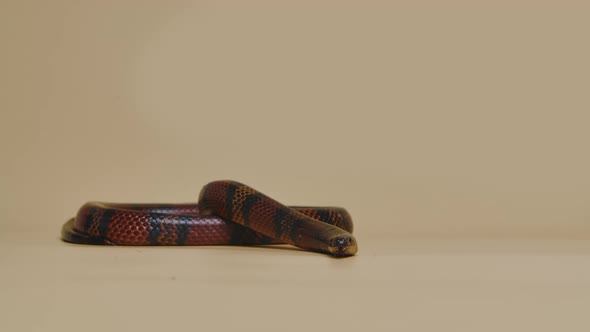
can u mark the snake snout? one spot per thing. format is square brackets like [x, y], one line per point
[342, 246]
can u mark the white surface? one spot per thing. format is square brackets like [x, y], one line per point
[405, 285]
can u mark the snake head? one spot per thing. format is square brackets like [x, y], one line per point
[342, 246]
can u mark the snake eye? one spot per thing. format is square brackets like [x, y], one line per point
[341, 242]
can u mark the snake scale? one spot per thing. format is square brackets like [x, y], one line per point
[227, 213]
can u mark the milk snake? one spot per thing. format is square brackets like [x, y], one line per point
[227, 213]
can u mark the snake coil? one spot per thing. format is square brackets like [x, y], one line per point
[227, 213]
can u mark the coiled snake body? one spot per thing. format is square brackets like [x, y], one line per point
[227, 213]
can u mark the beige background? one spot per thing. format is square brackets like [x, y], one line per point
[456, 135]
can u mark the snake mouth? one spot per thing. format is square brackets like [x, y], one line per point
[342, 246]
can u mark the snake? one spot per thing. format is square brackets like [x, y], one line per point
[226, 213]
